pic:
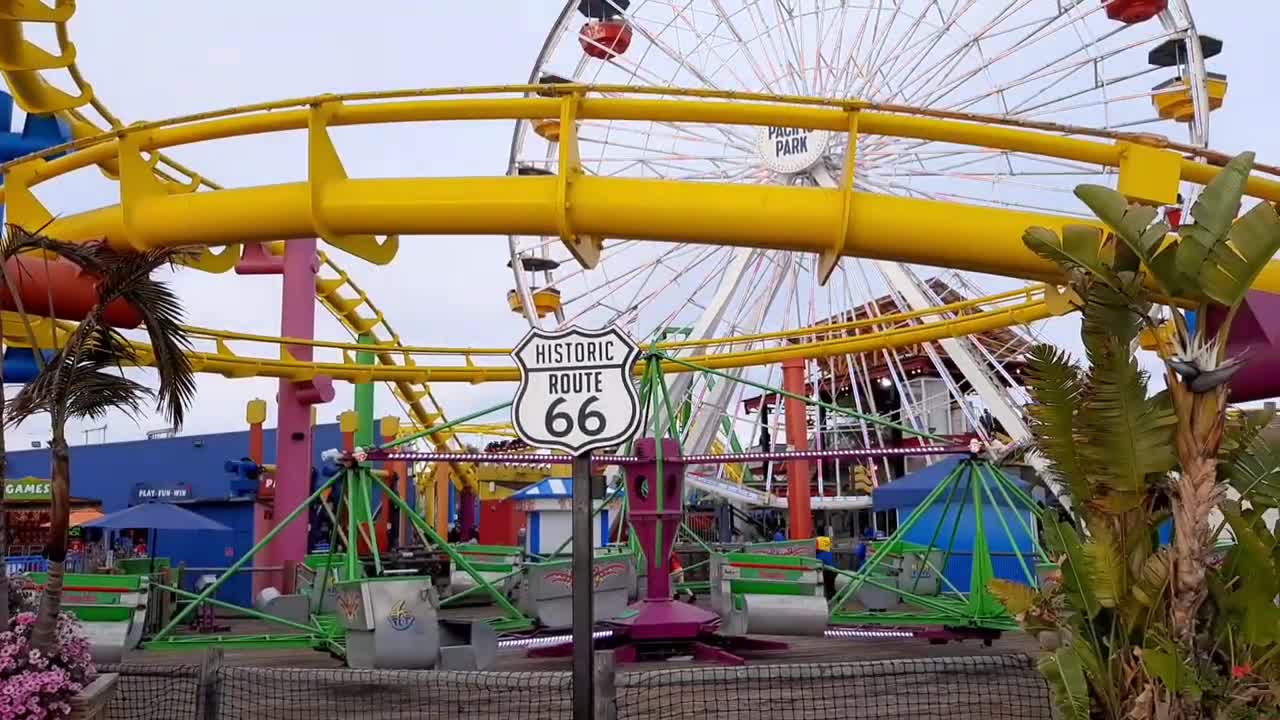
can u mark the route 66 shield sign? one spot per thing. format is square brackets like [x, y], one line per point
[576, 389]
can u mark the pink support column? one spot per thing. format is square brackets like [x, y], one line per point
[299, 266]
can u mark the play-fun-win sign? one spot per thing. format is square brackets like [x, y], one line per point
[791, 150]
[576, 391]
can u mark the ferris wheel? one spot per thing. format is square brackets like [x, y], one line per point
[1121, 65]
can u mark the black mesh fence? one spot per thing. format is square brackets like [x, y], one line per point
[153, 692]
[987, 688]
[276, 694]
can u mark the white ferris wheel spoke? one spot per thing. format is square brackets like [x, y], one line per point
[1059, 61]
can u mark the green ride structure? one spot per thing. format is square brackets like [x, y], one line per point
[414, 607]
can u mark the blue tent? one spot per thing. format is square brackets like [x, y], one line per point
[939, 522]
[909, 491]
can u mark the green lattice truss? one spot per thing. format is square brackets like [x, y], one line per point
[975, 607]
[322, 631]
[995, 500]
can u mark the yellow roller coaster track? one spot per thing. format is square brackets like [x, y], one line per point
[159, 209]
[890, 331]
[579, 208]
[22, 64]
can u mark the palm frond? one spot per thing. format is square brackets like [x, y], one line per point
[95, 393]
[1148, 588]
[1255, 474]
[1243, 427]
[1055, 386]
[1110, 322]
[84, 378]
[1016, 597]
[1106, 570]
[1126, 437]
[128, 277]
[17, 240]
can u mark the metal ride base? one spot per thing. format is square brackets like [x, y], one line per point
[658, 627]
[663, 629]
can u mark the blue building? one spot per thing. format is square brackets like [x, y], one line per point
[187, 469]
[905, 496]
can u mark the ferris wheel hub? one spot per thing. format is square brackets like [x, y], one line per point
[789, 150]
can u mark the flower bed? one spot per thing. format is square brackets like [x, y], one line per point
[39, 686]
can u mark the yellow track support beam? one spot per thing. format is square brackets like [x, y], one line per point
[580, 208]
[799, 219]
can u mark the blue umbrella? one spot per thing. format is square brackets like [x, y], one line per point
[156, 516]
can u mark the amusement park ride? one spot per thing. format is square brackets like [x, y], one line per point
[752, 193]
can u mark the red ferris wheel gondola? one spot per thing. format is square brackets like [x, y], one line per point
[606, 34]
[604, 39]
[1135, 11]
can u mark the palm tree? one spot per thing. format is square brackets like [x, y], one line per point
[83, 379]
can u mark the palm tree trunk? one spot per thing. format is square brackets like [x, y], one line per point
[44, 632]
[1196, 492]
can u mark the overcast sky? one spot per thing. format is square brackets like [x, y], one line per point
[150, 60]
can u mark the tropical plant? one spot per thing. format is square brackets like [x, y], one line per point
[1154, 630]
[83, 379]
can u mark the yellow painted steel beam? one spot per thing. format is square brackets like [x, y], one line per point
[801, 219]
[329, 204]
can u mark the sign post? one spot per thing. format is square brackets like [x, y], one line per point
[577, 394]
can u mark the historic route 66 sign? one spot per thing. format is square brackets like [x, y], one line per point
[576, 391]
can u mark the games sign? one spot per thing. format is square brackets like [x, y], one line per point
[27, 488]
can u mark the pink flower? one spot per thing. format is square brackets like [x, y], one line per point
[1242, 671]
[39, 685]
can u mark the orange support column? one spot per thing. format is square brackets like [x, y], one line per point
[799, 514]
[440, 478]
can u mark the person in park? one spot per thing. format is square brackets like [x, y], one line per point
[864, 547]
[676, 568]
[828, 560]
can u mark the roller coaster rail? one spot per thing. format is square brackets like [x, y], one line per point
[581, 209]
[1016, 307]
